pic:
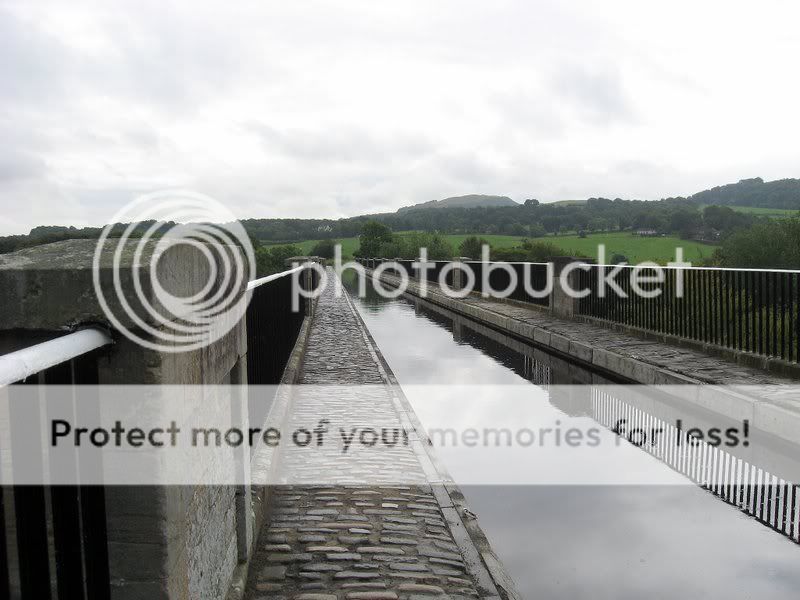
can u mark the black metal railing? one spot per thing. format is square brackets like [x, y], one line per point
[69, 531]
[740, 309]
[499, 280]
[273, 325]
[749, 310]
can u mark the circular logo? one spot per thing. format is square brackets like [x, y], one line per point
[170, 270]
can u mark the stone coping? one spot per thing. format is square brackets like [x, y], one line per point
[50, 287]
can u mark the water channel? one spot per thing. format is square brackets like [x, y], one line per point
[581, 541]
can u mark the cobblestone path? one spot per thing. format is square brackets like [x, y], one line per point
[360, 534]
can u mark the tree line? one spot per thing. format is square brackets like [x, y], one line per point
[677, 216]
[532, 219]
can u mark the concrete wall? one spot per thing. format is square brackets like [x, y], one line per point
[164, 542]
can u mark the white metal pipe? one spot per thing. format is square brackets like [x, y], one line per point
[257, 282]
[21, 364]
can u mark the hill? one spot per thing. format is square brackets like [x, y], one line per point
[469, 201]
[783, 194]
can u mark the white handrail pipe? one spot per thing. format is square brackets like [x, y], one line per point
[19, 365]
[257, 282]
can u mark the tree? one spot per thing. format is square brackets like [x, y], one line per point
[272, 259]
[683, 221]
[618, 258]
[471, 247]
[531, 202]
[408, 246]
[536, 230]
[767, 245]
[373, 235]
[324, 248]
[515, 229]
[529, 251]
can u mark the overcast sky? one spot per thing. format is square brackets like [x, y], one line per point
[323, 109]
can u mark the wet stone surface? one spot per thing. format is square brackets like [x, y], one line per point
[355, 549]
[360, 535]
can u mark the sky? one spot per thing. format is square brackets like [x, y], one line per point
[331, 109]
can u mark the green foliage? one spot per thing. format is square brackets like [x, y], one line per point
[272, 259]
[349, 246]
[373, 236]
[635, 248]
[672, 215]
[773, 213]
[528, 251]
[324, 248]
[768, 245]
[254, 242]
[709, 216]
[377, 240]
[408, 246]
[471, 247]
[659, 249]
[537, 230]
[723, 218]
[784, 194]
[617, 259]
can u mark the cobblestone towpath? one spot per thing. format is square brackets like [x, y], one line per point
[359, 534]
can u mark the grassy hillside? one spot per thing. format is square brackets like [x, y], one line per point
[773, 213]
[349, 245]
[468, 201]
[637, 249]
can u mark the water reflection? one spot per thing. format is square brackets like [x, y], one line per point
[632, 542]
[592, 541]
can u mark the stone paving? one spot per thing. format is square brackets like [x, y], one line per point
[697, 365]
[358, 534]
[692, 363]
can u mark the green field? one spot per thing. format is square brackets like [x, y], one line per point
[349, 245]
[773, 213]
[637, 249]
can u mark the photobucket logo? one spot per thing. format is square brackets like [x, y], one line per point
[498, 279]
[171, 269]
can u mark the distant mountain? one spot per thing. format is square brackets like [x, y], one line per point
[783, 193]
[469, 201]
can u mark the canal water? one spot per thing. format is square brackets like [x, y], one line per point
[576, 542]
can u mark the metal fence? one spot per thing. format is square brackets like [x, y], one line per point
[751, 310]
[58, 538]
[273, 325]
[499, 279]
[60, 542]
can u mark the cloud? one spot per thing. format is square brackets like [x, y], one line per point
[16, 166]
[596, 93]
[324, 110]
[338, 144]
